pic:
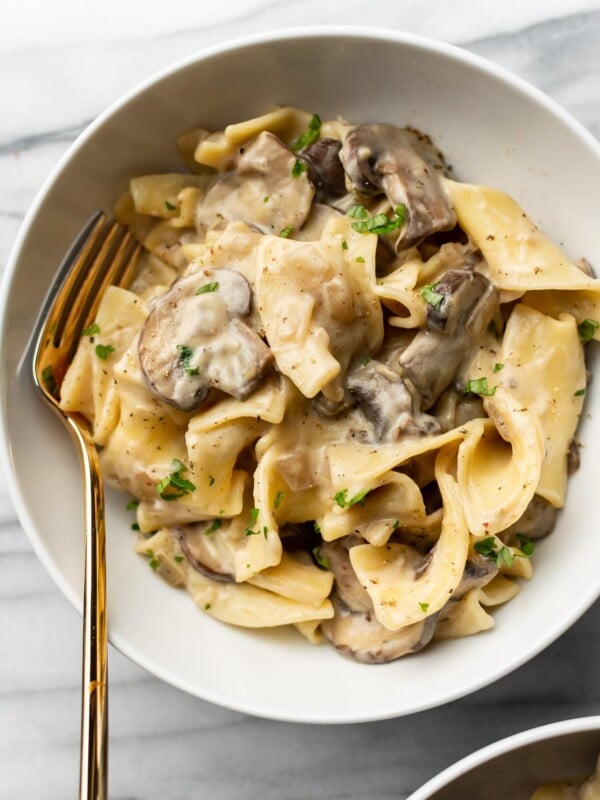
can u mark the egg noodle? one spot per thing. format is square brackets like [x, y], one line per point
[342, 388]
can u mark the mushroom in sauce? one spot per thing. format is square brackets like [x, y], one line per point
[194, 340]
[405, 166]
[354, 630]
[465, 302]
[267, 190]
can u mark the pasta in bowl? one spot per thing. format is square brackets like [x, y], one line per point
[343, 388]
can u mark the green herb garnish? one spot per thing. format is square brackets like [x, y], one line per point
[357, 211]
[174, 486]
[342, 501]
[153, 560]
[278, 499]
[321, 560]
[526, 546]
[49, 380]
[344, 244]
[503, 555]
[135, 526]
[360, 259]
[587, 329]
[431, 296]
[132, 505]
[211, 480]
[170, 206]
[340, 497]
[266, 199]
[185, 354]
[299, 167]
[498, 367]
[215, 525]
[254, 512]
[208, 287]
[91, 329]
[423, 607]
[580, 392]
[104, 350]
[365, 360]
[285, 232]
[207, 606]
[480, 387]
[310, 136]
[381, 223]
[179, 559]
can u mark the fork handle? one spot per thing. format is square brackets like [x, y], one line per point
[94, 691]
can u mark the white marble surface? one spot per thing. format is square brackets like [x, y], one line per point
[60, 64]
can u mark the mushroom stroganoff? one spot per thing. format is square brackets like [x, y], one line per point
[342, 388]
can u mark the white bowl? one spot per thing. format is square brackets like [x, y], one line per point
[494, 129]
[514, 767]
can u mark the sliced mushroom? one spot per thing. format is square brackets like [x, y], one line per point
[325, 169]
[193, 340]
[265, 190]
[479, 571]
[206, 553]
[349, 590]
[387, 403]
[364, 639]
[453, 326]
[354, 629]
[537, 521]
[405, 165]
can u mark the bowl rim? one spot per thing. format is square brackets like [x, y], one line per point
[503, 746]
[341, 32]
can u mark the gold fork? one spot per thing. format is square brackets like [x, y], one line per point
[104, 253]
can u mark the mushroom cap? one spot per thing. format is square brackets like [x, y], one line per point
[405, 165]
[193, 340]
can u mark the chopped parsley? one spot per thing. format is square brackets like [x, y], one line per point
[587, 329]
[179, 559]
[503, 555]
[132, 505]
[207, 606]
[480, 386]
[278, 499]
[135, 526]
[423, 607]
[340, 498]
[174, 486]
[380, 223]
[91, 329]
[49, 380]
[431, 296]
[357, 211]
[321, 560]
[285, 232]
[185, 354]
[104, 350]
[365, 360]
[580, 392]
[208, 287]
[360, 259]
[299, 167]
[342, 501]
[344, 244]
[498, 367]
[316, 526]
[153, 560]
[170, 206]
[266, 199]
[250, 532]
[211, 480]
[526, 546]
[214, 526]
[254, 512]
[310, 136]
